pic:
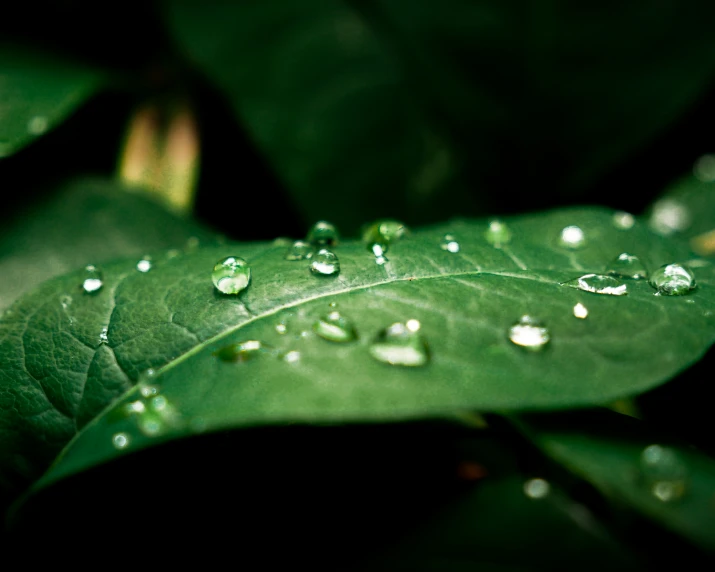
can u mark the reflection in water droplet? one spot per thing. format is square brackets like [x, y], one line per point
[325, 263]
[449, 243]
[498, 234]
[103, 337]
[120, 440]
[292, 356]
[673, 280]
[240, 351]
[536, 488]
[572, 237]
[299, 250]
[663, 473]
[65, 301]
[669, 216]
[37, 125]
[383, 233]
[627, 266]
[598, 284]
[580, 311]
[623, 220]
[323, 233]
[335, 328]
[704, 168]
[231, 275]
[144, 265]
[529, 333]
[92, 282]
[400, 344]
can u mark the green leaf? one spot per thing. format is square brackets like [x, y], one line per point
[82, 221]
[407, 109]
[606, 449]
[37, 92]
[58, 375]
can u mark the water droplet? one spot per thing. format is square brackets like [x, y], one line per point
[92, 282]
[148, 373]
[536, 488]
[529, 333]
[231, 275]
[498, 233]
[144, 265]
[669, 216]
[120, 440]
[299, 250]
[65, 301]
[400, 345]
[449, 243]
[673, 280]
[580, 311]
[292, 356]
[148, 390]
[598, 284]
[103, 337]
[627, 266]
[240, 351]
[282, 241]
[325, 263]
[323, 233]
[159, 403]
[623, 220]
[704, 168]
[663, 473]
[281, 328]
[134, 408]
[379, 253]
[383, 233]
[37, 125]
[335, 328]
[572, 237]
[150, 425]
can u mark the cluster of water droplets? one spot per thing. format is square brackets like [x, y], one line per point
[316, 248]
[381, 234]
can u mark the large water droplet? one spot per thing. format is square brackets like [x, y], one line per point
[335, 328]
[325, 263]
[299, 250]
[401, 344]
[37, 125]
[231, 275]
[498, 233]
[536, 488]
[240, 351]
[572, 237]
[323, 233]
[93, 280]
[383, 233]
[704, 168]
[669, 216]
[144, 265]
[529, 333]
[623, 220]
[449, 243]
[663, 473]
[120, 440]
[627, 266]
[580, 311]
[598, 284]
[673, 280]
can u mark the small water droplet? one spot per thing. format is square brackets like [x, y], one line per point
[322, 233]
[148, 390]
[103, 337]
[281, 328]
[134, 408]
[37, 125]
[150, 425]
[623, 220]
[673, 280]
[231, 275]
[335, 328]
[529, 333]
[537, 488]
[572, 237]
[663, 473]
[148, 373]
[325, 263]
[704, 169]
[379, 253]
[498, 233]
[627, 266]
[383, 233]
[240, 351]
[580, 311]
[449, 243]
[93, 280]
[120, 440]
[669, 216]
[65, 301]
[291, 356]
[144, 265]
[400, 345]
[333, 305]
[299, 250]
[598, 284]
[158, 403]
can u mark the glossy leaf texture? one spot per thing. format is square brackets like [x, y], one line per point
[37, 92]
[253, 359]
[608, 450]
[408, 108]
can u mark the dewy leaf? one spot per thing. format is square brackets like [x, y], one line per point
[444, 318]
[382, 107]
[670, 484]
[37, 92]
